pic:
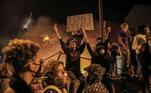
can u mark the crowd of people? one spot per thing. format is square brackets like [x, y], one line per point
[120, 63]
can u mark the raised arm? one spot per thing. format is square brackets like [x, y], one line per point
[63, 45]
[92, 53]
[85, 35]
[56, 31]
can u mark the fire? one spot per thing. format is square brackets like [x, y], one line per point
[46, 38]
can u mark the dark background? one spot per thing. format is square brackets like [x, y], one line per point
[113, 10]
[13, 12]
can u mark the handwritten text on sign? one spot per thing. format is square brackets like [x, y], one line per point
[85, 21]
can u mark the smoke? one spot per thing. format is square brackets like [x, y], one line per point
[39, 29]
[42, 27]
[14, 14]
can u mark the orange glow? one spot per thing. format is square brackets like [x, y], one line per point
[46, 38]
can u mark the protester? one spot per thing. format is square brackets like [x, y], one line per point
[18, 55]
[56, 78]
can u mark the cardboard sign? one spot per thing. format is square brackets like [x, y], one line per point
[76, 22]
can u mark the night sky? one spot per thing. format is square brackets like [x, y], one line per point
[113, 10]
[13, 12]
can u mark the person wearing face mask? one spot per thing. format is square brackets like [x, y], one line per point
[94, 79]
[97, 55]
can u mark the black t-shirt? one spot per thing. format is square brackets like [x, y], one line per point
[72, 56]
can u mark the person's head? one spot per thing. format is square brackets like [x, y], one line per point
[142, 29]
[108, 28]
[99, 40]
[79, 37]
[100, 50]
[95, 72]
[57, 71]
[124, 26]
[147, 30]
[73, 44]
[19, 53]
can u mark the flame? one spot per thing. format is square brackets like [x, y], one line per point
[46, 38]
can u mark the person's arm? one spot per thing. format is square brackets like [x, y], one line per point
[85, 36]
[134, 44]
[92, 53]
[63, 45]
[107, 36]
[56, 31]
[82, 47]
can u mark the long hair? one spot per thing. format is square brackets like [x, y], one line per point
[53, 68]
